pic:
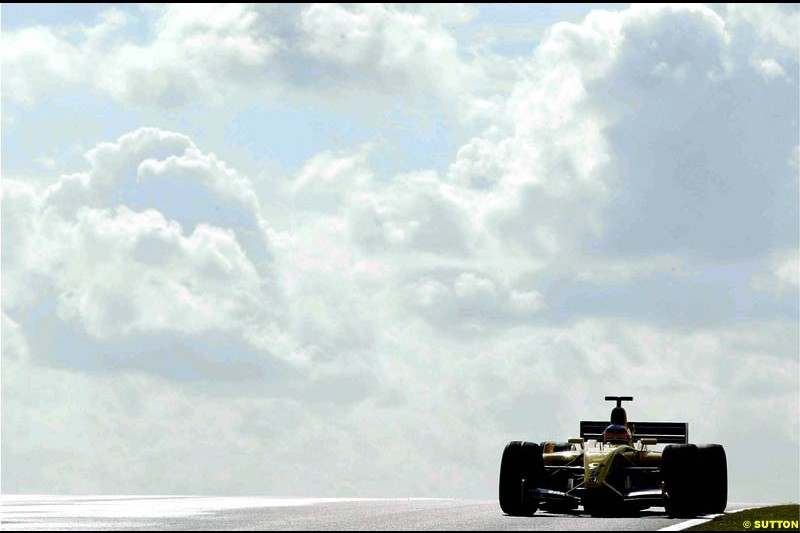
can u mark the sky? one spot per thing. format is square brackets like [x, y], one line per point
[353, 250]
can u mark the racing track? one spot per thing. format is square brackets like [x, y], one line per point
[188, 513]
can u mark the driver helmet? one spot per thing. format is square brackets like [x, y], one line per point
[616, 434]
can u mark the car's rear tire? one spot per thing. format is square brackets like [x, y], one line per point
[714, 468]
[679, 466]
[521, 460]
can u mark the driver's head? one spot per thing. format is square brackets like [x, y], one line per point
[616, 434]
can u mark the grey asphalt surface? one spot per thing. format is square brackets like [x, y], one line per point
[190, 513]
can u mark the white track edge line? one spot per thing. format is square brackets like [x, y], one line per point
[702, 520]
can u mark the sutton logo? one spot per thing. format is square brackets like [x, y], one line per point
[771, 524]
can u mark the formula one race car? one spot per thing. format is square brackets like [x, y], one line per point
[609, 470]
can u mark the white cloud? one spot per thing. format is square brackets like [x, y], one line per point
[550, 156]
[769, 68]
[37, 61]
[14, 345]
[146, 276]
[151, 168]
[618, 137]
[783, 276]
[114, 168]
[195, 51]
[471, 286]
[217, 51]
[605, 272]
[469, 302]
[155, 243]
[332, 315]
[19, 223]
[401, 46]
[417, 212]
[775, 24]
[480, 163]
[328, 179]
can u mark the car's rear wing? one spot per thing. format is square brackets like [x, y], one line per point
[664, 432]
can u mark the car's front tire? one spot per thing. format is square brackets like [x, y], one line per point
[521, 460]
[679, 467]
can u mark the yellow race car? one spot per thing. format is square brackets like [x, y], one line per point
[611, 470]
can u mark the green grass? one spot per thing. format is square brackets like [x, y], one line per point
[756, 520]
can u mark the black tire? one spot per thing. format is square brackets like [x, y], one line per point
[679, 466]
[714, 468]
[521, 460]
